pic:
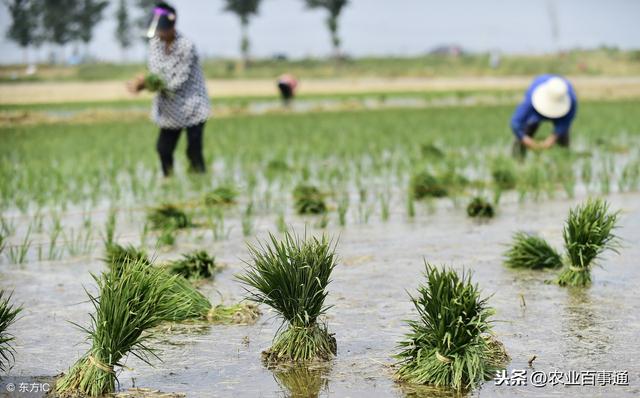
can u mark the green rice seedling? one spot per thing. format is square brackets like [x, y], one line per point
[238, 314]
[281, 223]
[154, 83]
[116, 254]
[167, 236]
[53, 252]
[3, 241]
[479, 207]
[530, 251]
[18, 253]
[503, 177]
[385, 198]
[309, 200]
[630, 177]
[193, 266]
[7, 226]
[449, 345]
[291, 276]
[193, 304]
[247, 220]
[343, 208]
[168, 216]
[129, 303]
[424, 185]
[222, 195]
[587, 173]
[411, 206]
[588, 232]
[110, 228]
[8, 315]
[275, 168]
[431, 151]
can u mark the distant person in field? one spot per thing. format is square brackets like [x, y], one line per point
[549, 98]
[287, 85]
[183, 103]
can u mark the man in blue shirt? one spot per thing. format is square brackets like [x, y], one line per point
[549, 98]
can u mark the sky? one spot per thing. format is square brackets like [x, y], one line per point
[384, 27]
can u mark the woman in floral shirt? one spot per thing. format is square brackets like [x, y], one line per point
[184, 102]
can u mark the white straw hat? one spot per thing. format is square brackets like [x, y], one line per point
[551, 98]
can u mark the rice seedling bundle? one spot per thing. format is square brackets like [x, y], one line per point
[291, 276]
[449, 345]
[168, 217]
[8, 315]
[192, 303]
[195, 265]
[531, 251]
[129, 303]
[588, 232]
[425, 185]
[116, 254]
[154, 83]
[431, 150]
[222, 195]
[480, 207]
[504, 177]
[309, 200]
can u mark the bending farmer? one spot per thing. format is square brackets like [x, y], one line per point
[182, 101]
[549, 98]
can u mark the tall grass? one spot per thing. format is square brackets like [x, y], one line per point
[291, 276]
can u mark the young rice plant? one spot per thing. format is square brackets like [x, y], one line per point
[291, 276]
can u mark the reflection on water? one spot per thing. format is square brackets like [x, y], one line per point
[303, 381]
[584, 329]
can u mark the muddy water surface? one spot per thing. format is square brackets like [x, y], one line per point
[568, 330]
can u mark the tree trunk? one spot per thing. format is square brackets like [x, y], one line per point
[245, 45]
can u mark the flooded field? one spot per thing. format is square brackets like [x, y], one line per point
[592, 329]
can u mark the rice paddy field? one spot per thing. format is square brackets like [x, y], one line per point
[388, 179]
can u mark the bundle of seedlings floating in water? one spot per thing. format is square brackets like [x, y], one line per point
[587, 233]
[129, 302]
[222, 195]
[450, 344]
[309, 200]
[8, 315]
[239, 314]
[424, 185]
[531, 251]
[194, 266]
[479, 207]
[291, 276]
[168, 216]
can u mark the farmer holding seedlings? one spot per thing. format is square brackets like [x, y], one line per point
[550, 98]
[182, 101]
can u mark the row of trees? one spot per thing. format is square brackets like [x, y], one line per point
[245, 9]
[59, 22]
[34, 22]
